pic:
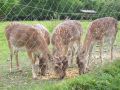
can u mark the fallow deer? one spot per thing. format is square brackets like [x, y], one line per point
[26, 37]
[64, 36]
[99, 30]
[45, 33]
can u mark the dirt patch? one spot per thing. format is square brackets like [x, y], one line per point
[70, 73]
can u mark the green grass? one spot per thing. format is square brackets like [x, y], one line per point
[106, 78]
[23, 80]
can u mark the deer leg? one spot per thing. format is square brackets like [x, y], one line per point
[17, 62]
[43, 64]
[90, 53]
[38, 69]
[111, 53]
[11, 57]
[71, 54]
[78, 47]
[75, 50]
[43, 68]
[112, 42]
[81, 66]
[54, 50]
[101, 47]
[33, 60]
[111, 49]
[64, 51]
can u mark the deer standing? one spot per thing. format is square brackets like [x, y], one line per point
[99, 30]
[64, 36]
[26, 37]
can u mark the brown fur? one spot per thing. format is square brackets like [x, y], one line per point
[99, 30]
[64, 36]
[45, 32]
[26, 36]
[61, 65]
[42, 65]
[42, 60]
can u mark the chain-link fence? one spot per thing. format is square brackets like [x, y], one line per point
[50, 13]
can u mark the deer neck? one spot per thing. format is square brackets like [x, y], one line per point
[87, 43]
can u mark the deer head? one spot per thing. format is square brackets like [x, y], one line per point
[60, 65]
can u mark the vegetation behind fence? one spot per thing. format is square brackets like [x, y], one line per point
[57, 9]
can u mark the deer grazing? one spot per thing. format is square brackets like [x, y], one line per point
[100, 30]
[45, 33]
[64, 36]
[29, 38]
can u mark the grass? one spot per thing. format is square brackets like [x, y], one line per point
[106, 78]
[23, 80]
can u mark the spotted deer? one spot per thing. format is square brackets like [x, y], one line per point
[100, 30]
[64, 36]
[45, 32]
[46, 35]
[28, 38]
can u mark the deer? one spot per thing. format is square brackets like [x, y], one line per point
[45, 32]
[28, 38]
[46, 35]
[63, 37]
[99, 31]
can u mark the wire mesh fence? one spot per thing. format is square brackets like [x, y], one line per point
[50, 17]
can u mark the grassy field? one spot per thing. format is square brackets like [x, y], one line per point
[105, 78]
[22, 80]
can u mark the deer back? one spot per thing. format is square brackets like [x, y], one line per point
[44, 31]
[21, 35]
[66, 32]
[103, 27]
